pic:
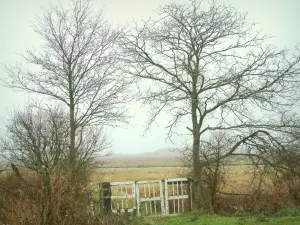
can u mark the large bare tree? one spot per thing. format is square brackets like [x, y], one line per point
[211, 65]
[76, 65]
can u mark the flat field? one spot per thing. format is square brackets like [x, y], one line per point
[156, 168]
[235, 175]
[111, 175]
[154, 161]
[141, 161]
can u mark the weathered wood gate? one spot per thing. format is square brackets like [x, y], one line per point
[148, 197]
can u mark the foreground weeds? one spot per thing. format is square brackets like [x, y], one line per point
[23, 200]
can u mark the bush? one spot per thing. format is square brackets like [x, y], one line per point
[22, 201]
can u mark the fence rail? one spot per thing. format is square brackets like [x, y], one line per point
[147, 197]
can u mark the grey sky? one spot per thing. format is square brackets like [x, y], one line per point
[278, 18]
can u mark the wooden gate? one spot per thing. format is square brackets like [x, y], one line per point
[177, 195]
[148, 197]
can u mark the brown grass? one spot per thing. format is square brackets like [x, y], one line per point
[136, 174]
[23, 200]
[153, 160]
[140, 161]
[235, 175]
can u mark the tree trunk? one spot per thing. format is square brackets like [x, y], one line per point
[47, 191]
[196, 175]
[72, 148]
[196, 172]
[72, 151]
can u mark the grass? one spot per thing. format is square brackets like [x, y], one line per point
[156, 161]
[197, 218]
[235, 175]
[141, 161]
[137, 174]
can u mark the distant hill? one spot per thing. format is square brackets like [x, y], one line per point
[162, 152]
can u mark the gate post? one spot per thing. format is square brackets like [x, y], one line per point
[162, 197]
[166, 197]
[137, 198]
[105, 197]
[190, 193]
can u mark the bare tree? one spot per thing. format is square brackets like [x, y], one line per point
[214, 168]
[76, 65]
[38, 139]
[211, 65]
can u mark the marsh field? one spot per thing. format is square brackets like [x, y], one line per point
[140, 161]
[134, 168]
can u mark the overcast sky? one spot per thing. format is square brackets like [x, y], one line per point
[279, 18]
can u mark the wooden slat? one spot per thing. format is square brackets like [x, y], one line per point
[149, 199]
[182, 201]
[121, 196]
[173, 191]
[123, 210]
[121, 183]
[178, 197]
[176, 179]
[153, 190]
[178, 202]
[149, 192]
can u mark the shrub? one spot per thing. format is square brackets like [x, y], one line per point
[22, 201]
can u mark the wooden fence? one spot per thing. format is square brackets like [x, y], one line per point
[148, 197]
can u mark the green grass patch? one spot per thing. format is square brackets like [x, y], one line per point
[197, 218]
[288, 212]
